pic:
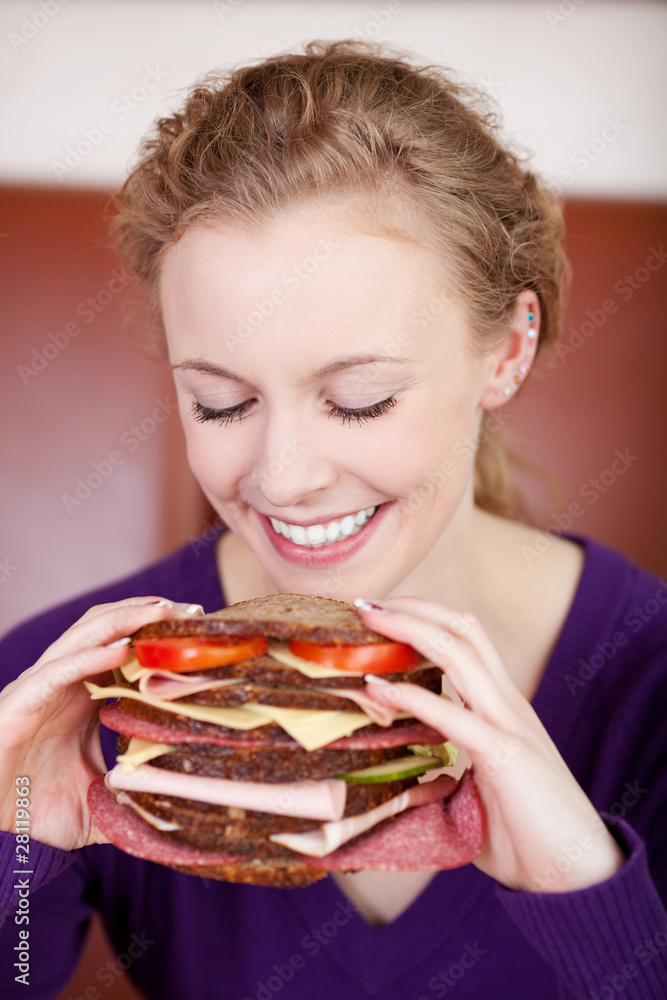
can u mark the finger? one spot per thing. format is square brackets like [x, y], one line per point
[26, 698]
[457, 724]
[106, 623]
[462, 664]
[461, 624]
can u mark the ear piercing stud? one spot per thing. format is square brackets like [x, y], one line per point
[530, 350]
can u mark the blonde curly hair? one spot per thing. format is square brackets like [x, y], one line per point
[419, 155]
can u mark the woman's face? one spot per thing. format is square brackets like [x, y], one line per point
[323, 375]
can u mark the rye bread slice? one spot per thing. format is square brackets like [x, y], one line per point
[279, 616]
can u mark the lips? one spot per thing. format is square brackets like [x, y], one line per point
[327, 554]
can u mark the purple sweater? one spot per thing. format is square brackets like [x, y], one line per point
[603, 699]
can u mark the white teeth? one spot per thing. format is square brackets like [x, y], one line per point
[319, 534]
[332, 532]
[315, 534]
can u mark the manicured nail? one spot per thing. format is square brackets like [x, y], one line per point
[369, 604]
[161, 603]
[194, 609]
[374, 679]
[125, 641]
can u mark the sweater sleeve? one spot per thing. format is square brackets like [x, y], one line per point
[44, 917]
[609, 938]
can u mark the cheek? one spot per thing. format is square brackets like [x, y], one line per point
[430, 452]
[213, 463]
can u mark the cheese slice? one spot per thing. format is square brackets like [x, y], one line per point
[313, 728]
[131, 669]
[233, 718]
[140, 751]
[309, 727]
[280, 651]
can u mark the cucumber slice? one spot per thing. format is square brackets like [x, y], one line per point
[394, 770]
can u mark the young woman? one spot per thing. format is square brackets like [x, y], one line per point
[351, 274]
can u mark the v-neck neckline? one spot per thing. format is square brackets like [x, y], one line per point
[375, 957]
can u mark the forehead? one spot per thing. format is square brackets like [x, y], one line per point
[313, 276]
[310, 244]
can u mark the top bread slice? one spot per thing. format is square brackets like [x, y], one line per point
[278, 616]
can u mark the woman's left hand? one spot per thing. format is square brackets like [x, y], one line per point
[542, 832]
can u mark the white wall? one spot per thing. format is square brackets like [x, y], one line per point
[581, 82]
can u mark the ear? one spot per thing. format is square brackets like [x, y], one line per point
[507, 367]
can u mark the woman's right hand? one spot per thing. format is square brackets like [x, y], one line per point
[49, 726]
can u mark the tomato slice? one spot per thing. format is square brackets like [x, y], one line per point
[381, 658]
[182, 654]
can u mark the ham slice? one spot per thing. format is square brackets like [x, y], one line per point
[318, 843]
[382, 715]
[432, 837]
[323, 800]
[168, 686]
[124, 828]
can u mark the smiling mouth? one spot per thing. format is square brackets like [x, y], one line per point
[316, 535]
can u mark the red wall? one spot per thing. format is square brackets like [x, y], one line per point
[62, 422]
[76, 390]
[607, 392]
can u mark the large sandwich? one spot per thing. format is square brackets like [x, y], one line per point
[249, 750]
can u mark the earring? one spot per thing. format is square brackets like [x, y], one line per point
[530, 350]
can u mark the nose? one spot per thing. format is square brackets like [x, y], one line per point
[290, 465]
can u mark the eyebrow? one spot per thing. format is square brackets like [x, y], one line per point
[330, 368]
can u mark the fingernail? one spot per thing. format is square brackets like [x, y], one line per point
[125, 641]
[374, 679]
[161, 603]
[194, 609]
[370, 604]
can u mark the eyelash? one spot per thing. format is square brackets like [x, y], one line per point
[202, 414]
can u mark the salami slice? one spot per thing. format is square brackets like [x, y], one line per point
[396, 736]
[121, 825]
[115, 718]
[432, 837]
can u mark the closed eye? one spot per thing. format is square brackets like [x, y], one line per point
[202, 414]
